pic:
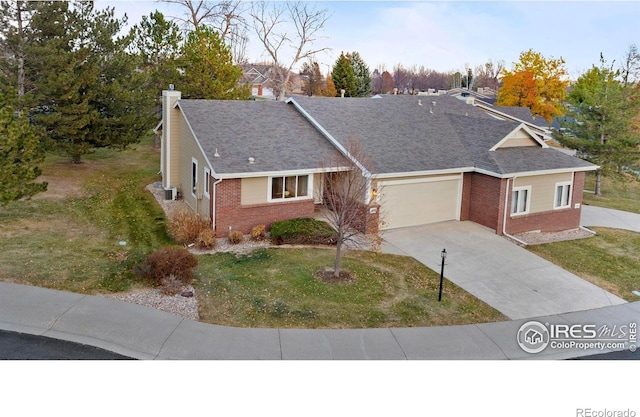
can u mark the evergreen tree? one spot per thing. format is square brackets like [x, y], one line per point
[603, 131]
[313, 79]
[361, 73]
[344, 78]
[209, 72]
[87, 92]
[156, 41]
[20, 152]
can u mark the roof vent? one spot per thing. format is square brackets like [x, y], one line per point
[434, 103]
[252, 160]
[419, 102]
[216, 154]
[431, 110]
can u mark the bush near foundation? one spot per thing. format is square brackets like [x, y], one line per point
[235, 237]
[259, 233]
[184, 226]
[303, 231]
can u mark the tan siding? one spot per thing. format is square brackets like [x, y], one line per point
[543, 189]
[189, 149]
[254, 191]
[518, 139]
[317, 188]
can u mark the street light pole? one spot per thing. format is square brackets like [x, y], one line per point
[443, 254]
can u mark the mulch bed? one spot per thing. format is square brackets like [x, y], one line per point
[327, 276]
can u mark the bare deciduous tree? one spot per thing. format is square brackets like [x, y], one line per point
[348, 191]
[268, 22]
[226, 17]
[488, 73]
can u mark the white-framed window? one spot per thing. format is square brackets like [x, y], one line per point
[194, 176]
[207, 181]
[562, 197]
[520, 200]
[290, 187]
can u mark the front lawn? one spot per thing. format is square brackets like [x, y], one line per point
[617, 193]
[276, 287]
[610, 260]
[69, 237]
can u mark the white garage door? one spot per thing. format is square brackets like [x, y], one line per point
[421, 201]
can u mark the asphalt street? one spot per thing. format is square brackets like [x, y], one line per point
[20, 346]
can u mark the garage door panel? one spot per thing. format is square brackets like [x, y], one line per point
[417, 203]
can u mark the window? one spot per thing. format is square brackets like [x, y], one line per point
[194, 176]
[520, 200]
[563, 195]
[289, 187]
[207, 181]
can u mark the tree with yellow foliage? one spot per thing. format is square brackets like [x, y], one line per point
[549, 77]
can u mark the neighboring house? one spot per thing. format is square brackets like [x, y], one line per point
[257, 76]
[433, 159]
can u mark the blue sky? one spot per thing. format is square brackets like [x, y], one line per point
[448, 35]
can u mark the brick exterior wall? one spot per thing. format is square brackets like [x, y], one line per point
[465, 207]
[230, 213]
[554, 220]
[484, 197]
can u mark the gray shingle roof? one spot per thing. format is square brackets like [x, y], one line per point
[272, 132]
[480, 135]
[397, 133]
[524, 114]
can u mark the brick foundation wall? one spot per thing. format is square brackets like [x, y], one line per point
[230, 213]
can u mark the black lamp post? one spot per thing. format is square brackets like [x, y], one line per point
[443, 254]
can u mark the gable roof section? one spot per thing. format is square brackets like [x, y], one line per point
[532, 138]
[399, 135]
[479, 136]
[271, 132]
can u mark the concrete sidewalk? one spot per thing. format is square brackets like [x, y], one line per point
[146, 333]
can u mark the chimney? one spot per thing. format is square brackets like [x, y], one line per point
[167, 147]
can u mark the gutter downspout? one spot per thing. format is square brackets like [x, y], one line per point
[504, 220]
[213, 203]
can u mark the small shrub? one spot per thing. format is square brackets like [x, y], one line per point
[303, 231]
[206, 239]
[259, 232]
[170, 285]
[169, 262]
[235, 237]
[184, 225]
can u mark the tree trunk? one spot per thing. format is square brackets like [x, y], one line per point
[336, 268]
[598, 193]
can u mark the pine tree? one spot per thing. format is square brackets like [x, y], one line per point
[344, 77]
[603, 108]
[20, 152]
[361, 73]
[87, 91]
[209, 71]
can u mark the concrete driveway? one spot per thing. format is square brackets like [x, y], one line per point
[604, 217]
[509, 278]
